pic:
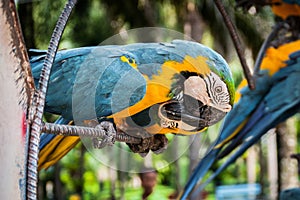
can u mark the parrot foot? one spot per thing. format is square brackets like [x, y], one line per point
[160, 144]
[108, 139]
[156, 143]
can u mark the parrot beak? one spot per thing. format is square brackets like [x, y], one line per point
[174, 114]
[197, 112]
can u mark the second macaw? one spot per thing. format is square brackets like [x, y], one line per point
[180, 87]
[285, 8]
[275, 98]
[281, 8]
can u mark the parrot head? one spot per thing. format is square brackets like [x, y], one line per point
[198, 102]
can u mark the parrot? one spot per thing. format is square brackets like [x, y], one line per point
[285, 8]
[275, 99]
[281, 8]
[179, 87]
[290, 194]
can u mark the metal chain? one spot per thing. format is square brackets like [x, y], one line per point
[39, 101]
[68, 130]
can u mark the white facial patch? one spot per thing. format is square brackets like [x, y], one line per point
[218, 92]
[195, 87]
[210, 90]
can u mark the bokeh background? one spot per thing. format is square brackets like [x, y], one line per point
[80, 176]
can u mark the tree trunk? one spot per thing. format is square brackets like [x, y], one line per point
[177, 170]
[123, 171]
[81, 171]
[148, 160]
[262, 164]
[193, 25]
[27, 25]
[58, 187]
[196, 143]
[287, 142]
[113, 178]
[251, 164]
[272, 164]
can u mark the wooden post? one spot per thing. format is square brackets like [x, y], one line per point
[15, 82]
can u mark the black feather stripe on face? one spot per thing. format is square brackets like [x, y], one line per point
[179, 79]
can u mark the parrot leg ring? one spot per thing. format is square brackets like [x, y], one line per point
[109, 136]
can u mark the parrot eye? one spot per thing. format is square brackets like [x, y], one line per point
[218, 89]
[129, 60]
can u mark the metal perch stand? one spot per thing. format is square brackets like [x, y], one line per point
[68, 130]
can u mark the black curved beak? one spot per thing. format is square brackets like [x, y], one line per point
[192, 112]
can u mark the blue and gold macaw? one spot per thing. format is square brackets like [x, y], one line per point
[285, 8]
[275, 99]
[281, 8]
[180, 87]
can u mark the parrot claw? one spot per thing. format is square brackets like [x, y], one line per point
[156, 143]
[160, 144]
[143, 155]
[108, 139]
